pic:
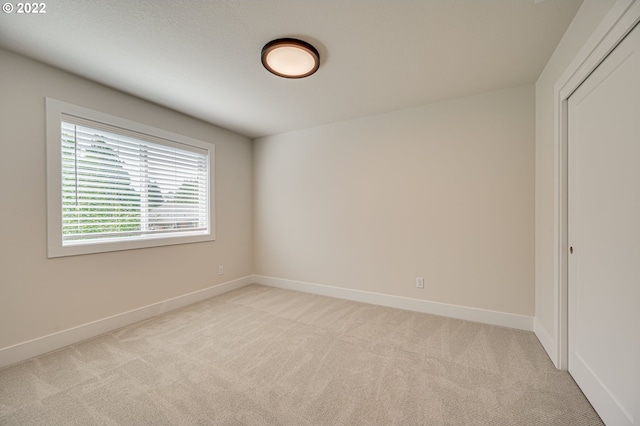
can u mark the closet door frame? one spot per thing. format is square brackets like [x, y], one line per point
[622, 18]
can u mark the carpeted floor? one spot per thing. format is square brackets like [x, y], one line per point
[266, 356]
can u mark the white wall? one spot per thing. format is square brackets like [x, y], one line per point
[39, 296]
[590, 14]
[444, 191]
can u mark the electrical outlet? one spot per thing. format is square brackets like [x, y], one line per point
[419, 282]
[220, 270]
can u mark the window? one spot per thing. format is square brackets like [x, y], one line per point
[113, 184]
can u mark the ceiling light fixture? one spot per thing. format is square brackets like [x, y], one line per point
[290, 58]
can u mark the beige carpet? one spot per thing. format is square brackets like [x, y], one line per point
[265, 356]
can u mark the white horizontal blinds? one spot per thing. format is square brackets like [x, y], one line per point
[122, 184]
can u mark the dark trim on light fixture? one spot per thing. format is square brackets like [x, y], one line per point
[302, 46]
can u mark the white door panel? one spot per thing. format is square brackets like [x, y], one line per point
[604, 232]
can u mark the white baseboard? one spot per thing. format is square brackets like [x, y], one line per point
[521, 322]
[25, 350]
[548, 342]
[22, 351]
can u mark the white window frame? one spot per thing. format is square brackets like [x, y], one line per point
[55, 247]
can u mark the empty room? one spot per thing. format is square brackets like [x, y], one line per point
[286, 212]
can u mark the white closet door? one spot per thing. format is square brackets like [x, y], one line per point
[604, 235]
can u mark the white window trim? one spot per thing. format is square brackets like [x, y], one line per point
[55, 247]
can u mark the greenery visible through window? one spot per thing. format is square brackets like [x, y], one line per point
[87, 206]
[119, 185]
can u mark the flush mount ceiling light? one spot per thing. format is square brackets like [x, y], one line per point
[290, 58]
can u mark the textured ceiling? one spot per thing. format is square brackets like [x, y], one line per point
[203, 57]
